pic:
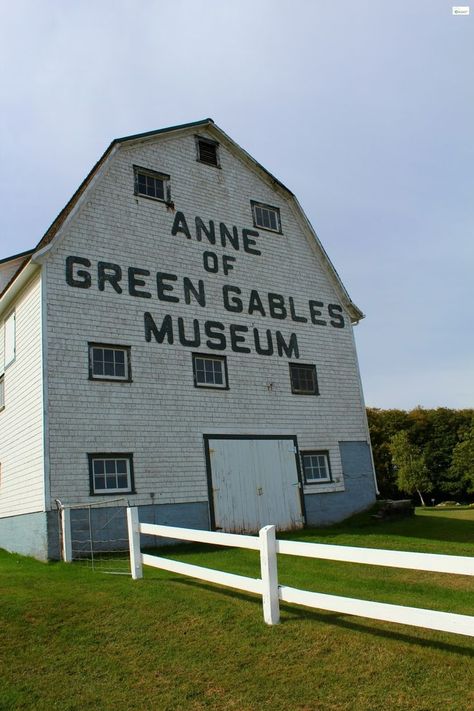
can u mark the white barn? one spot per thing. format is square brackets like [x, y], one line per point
[180, 340]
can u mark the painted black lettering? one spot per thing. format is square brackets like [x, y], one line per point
[214, 332]
[81, 279]
[227, 236]
[227, 263]
[194, 342]
[294, 316]
[151, 329]
[314, 310]
[180, 225]
[248, 242]
[255, 303]
[199, 293]
[268, 351]
[162, 287]
[335, 311]
[233, 303]
[290, 349]
[210, 262]
[108, 272]
[236, 338]
[276, 304]
[134, 281]
[209, 232]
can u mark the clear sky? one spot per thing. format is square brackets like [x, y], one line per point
[364, 109]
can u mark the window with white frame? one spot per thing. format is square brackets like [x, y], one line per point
[316, 467]
[266, 216]
[9, 339]
[151, 184]
[111, 473]
[108, 362]
[2, 392]
[210, 371]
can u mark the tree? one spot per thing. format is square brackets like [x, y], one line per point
[410, 465]
[383, 424]
[462, 465]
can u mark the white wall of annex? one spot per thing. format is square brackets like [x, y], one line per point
[21, 422]
[161, 416]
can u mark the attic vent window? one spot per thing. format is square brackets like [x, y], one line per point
[266, 217]
[207, 151]
[150, 184]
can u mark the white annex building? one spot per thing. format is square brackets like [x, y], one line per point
[179, 339]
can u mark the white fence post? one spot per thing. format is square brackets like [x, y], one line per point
[269, 571]
[133, 523]
[66, 542]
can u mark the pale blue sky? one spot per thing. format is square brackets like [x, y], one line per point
[364, 109]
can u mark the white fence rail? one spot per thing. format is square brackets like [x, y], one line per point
[267, 586]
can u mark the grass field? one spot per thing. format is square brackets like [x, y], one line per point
[72, 639]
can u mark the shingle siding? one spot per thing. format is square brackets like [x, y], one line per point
[161, 416]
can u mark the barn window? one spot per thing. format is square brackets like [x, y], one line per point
[210, 371]
[150, 184]
[207, 151]
[9, 352]
[303, 379]
[266, 216]
[316, 467]
[109, 362]
[2, 392]
[111, 473]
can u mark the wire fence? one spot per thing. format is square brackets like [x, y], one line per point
[98, 535]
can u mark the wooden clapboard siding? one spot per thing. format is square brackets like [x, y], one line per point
[21, 422]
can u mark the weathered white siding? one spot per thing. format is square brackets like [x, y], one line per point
[161, 416]
[21, 422]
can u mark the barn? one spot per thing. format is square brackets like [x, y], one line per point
[180, 341]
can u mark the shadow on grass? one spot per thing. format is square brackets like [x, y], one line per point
[295, 614]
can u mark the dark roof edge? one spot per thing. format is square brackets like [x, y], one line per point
[61, 217]
[159, 131]
[26, 253]
[15, 275]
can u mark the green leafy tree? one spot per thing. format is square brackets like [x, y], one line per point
[410, 465]
[383, 424]
[462, 465]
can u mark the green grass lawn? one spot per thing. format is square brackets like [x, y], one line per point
[75, 639]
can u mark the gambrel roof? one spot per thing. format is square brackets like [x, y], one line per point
[75, 201]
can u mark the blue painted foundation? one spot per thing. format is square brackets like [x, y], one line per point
[26, 534]
[359, 494]
[37, 534]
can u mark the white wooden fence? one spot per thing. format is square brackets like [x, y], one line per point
[267, 586]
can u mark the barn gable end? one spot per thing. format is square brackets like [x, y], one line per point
[199, 344]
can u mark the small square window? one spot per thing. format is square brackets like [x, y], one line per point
[2, 392]
[109, 362]
[266, 217]
[316, 467]
[207, 151]
[111, 473]
[303, 379]
[210, 371]
[150, 184]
